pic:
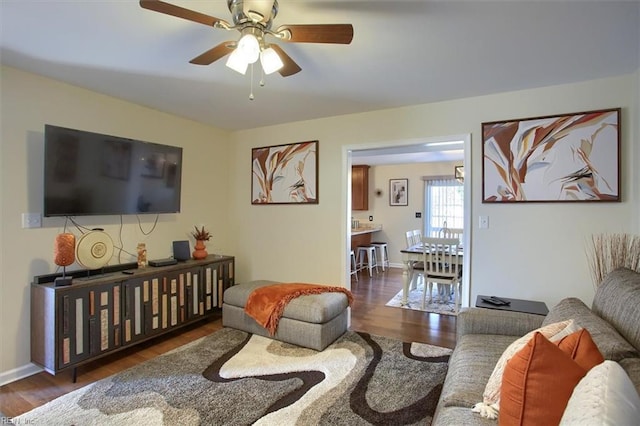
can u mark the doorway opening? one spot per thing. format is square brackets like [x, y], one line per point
[438, 149]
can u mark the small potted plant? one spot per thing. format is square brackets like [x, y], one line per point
[201, 235]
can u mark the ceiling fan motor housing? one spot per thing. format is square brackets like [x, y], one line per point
[253, 12]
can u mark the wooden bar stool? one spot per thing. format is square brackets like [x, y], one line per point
[369, 252]
[383, 254]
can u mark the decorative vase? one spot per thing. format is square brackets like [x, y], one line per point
[200, 251]
[142, 255]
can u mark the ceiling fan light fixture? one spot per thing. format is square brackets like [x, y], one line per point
[270, 61]
[249, 47]
[237, 62]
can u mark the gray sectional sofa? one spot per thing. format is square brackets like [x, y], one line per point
[483, 334]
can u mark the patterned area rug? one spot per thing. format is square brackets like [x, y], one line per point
[232, 377]
[414, 301]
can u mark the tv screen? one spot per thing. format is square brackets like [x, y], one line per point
[89, 173]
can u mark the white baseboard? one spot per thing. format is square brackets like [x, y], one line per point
[19, 373]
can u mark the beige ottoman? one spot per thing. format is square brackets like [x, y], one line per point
[313, 321]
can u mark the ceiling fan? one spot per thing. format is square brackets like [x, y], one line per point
[254, 19]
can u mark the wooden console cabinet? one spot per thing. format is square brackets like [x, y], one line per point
[360, 187]
[101, 314]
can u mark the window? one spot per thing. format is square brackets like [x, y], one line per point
[444, 205]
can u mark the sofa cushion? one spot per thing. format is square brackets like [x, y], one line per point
[492, 321]
[605, 396]
[632, 368]
[610, 343]
[537, 384]
[617, 300]
[455, 416]
[470, 366]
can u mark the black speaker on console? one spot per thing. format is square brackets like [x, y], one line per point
[181, 250]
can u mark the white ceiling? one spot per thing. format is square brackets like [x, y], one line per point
[403, 53]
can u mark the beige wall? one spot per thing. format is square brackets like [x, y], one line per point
[531, 251]
[28, 102]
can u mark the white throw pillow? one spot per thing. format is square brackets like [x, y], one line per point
[490, 405]
[605, 396]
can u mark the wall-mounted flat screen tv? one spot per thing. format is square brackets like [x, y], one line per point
[89, 173]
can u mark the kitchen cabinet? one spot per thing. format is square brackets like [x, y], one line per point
[360, 187]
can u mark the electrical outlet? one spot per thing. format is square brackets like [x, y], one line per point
[31, 220]
[418, 215]
[370, 218]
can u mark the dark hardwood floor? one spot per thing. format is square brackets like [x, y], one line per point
[367, 315]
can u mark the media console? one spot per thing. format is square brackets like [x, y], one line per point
[120, 307]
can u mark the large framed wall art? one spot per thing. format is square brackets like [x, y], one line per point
[285, 174]
[560, 158]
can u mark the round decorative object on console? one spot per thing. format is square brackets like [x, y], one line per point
[94, 249]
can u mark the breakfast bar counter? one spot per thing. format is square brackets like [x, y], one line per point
[362, 235]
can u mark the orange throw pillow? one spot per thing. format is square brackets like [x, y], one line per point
[581, 348]
[537, 384]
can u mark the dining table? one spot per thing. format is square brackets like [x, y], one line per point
[410, 255]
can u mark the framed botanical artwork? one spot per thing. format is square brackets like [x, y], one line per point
[559, 158]
[285, 174]
[398, 192]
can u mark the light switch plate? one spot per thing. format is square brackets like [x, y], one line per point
[31, 220]
[483, 222]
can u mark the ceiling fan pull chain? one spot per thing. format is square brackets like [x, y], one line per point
[262, 77]
[251, 97]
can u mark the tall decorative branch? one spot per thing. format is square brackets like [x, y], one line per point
[607, 252]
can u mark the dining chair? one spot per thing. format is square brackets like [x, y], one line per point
[414, 237]
[442, 266]
[409, 237]
[417, 236]
[452, 233]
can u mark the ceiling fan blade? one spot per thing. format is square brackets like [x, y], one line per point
[290, 67]
[179, 12]
[317, 33]
[258, 10]
[214, 54]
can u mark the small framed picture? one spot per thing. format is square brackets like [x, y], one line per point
[398, 192]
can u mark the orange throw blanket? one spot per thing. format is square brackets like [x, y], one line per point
[266, 304]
